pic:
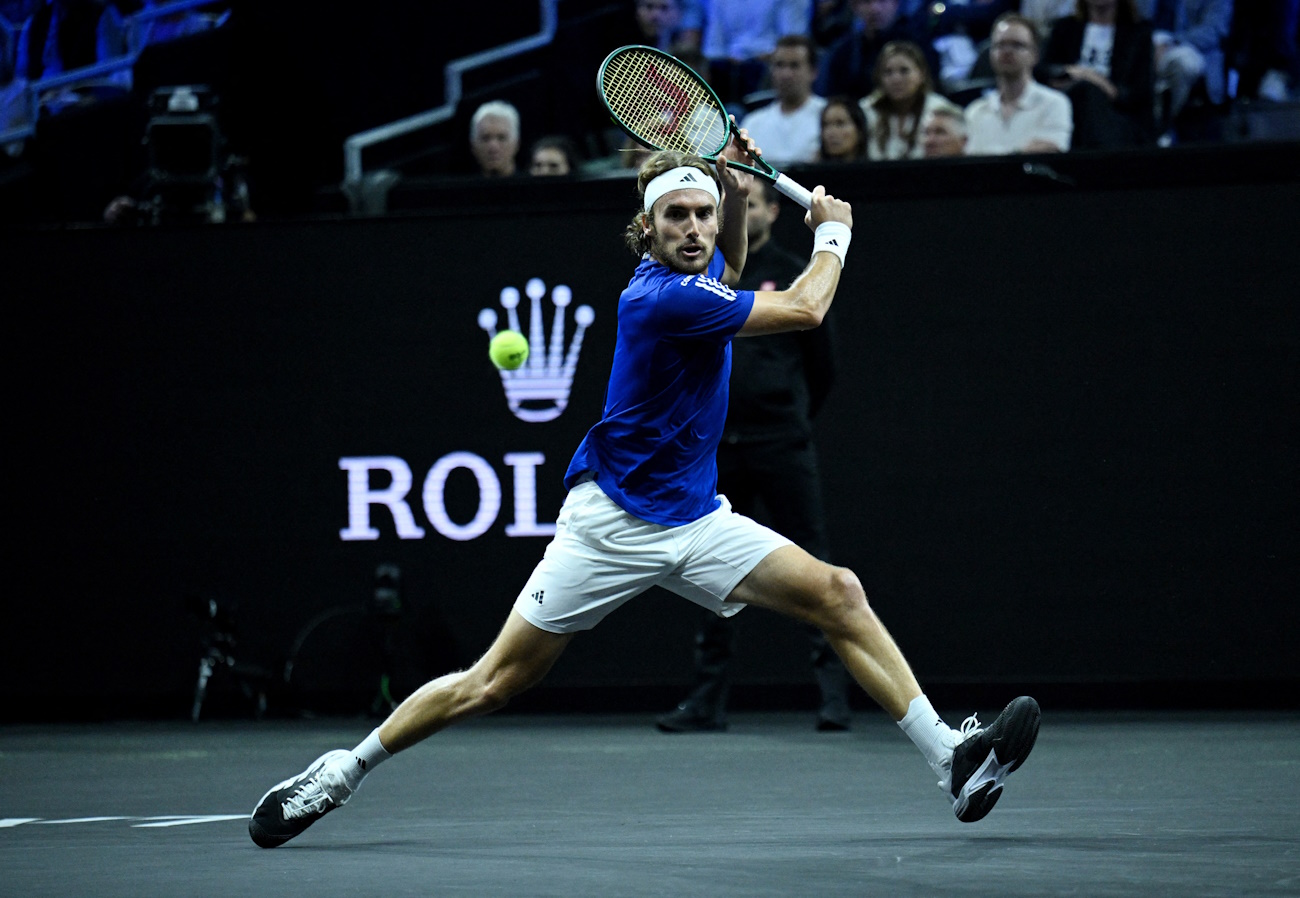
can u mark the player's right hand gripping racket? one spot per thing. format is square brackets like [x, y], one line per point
[664, 104]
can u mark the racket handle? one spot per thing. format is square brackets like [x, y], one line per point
[793, 189]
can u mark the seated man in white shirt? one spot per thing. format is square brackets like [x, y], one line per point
[1020, 115]
[789, 128]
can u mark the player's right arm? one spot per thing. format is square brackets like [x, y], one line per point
[804, 303]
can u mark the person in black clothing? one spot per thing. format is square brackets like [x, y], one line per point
[1102, 58]
[767, 458]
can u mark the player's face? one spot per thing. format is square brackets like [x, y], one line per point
[685, 230]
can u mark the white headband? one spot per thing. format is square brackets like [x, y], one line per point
[682, 178]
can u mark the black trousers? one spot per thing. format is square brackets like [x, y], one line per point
[778, 483]
[1098, 125]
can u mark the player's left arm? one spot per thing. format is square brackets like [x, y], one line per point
[733, 239]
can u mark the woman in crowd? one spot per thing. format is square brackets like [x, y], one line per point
[844, 131]
[904, 97]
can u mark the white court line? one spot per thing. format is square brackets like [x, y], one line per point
[43, 822]
[151, 822]
[186, 821]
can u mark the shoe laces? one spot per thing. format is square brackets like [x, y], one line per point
[316, 794]
[969, 728]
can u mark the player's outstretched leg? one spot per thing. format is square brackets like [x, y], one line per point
[985, 756]
[517, 660]
[972, 762]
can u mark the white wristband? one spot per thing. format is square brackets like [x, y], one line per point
[833, 237]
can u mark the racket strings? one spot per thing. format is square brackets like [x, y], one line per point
[663, 104]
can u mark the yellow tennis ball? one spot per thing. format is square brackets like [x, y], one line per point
[508, 350]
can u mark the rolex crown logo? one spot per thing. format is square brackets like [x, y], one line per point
[539, 391]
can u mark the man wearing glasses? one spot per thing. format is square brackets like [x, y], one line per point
[1020, 115]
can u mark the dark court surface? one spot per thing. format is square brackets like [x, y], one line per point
[1189, 804]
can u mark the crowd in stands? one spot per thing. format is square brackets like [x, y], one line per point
[812, 80]
[871, 80]
[43, 39]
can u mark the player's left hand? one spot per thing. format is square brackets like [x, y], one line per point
[738, 149]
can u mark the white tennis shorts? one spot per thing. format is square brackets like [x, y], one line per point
[602, 556]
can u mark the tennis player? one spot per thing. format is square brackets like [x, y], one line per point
[642, 508]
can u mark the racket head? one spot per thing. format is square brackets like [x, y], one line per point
[662, 102]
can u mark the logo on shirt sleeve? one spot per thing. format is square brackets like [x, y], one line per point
[713, 285]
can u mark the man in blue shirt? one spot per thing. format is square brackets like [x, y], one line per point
[642, 508]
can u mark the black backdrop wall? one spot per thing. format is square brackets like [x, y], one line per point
[1062, 449]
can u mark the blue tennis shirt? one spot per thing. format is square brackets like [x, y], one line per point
[654, 449]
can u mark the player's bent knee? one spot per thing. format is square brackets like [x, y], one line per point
[847, 589]
[844, 599]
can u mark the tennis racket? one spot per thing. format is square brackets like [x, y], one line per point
[665, 105]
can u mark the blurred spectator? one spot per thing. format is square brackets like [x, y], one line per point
[13, 16]
[665, 24]
[832, 19]
[553, 155]
[1102, 57]
[739, 37]
[16, 12]
[903, 97]
[626, 162]
[1020, 115]
[957, 28]
[844, 131]
[788, 129]
[494, 138]
[1189, 36]
[944, 134]
[1043, 13]
[849, 66]
[1265, 38]
[59, 36]
[62, 35]
[971, 18]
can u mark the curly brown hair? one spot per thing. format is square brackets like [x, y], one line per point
[636, 237]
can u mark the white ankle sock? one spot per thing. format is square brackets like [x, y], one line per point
[366, 757]
[928, 732]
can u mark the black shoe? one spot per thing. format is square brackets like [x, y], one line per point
[834, 715]
[986, 756]
[689, 718]
[831, 724]
[297, 803]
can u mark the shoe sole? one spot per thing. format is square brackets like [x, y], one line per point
[1017, 731]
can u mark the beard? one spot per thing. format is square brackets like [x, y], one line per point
[665, 252]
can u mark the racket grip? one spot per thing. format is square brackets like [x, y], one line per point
[793, 189]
